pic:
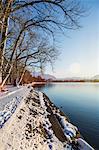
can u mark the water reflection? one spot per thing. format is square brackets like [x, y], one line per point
[80, 101]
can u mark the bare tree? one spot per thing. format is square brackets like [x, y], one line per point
[44, 17]
[43, 53]
[5, 10]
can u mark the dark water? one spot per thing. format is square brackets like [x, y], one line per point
[80, 102]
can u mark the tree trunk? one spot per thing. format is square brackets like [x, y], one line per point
[22, 76]
[7, 76]
[5, 11]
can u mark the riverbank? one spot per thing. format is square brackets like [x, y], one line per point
[38, 124]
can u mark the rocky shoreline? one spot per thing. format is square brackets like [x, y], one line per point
[38, 124]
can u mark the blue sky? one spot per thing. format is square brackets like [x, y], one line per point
[80, 48]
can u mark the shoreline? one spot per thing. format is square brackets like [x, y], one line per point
[47, 82]
[51, 125]
[37, 84]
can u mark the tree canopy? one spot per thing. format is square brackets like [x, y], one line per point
[26, 30]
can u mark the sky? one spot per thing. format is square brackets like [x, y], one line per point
[80, 48]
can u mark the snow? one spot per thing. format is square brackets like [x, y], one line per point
[8, 89]
[83, 145]
[11, 93]
[25, 125]
[69, 129]
[13, 98]
[41, 100]
[15, 130]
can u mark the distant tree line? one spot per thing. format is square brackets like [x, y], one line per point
[27, 33]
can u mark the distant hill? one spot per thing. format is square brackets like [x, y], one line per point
[44, 76]
[71, 78]
[96, 77]
[67, 79]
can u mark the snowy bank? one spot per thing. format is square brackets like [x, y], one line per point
[37, 124]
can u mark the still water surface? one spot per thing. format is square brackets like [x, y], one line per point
[80, 102]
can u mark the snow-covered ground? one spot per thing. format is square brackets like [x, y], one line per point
[12, 93]
[27, 129]
[10, 100]
[8, 89]
[29, 121]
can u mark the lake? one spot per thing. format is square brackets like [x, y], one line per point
[80, 102]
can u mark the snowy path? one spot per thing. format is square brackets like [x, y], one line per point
[12, 93]
[10, 101]
[29, 128]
